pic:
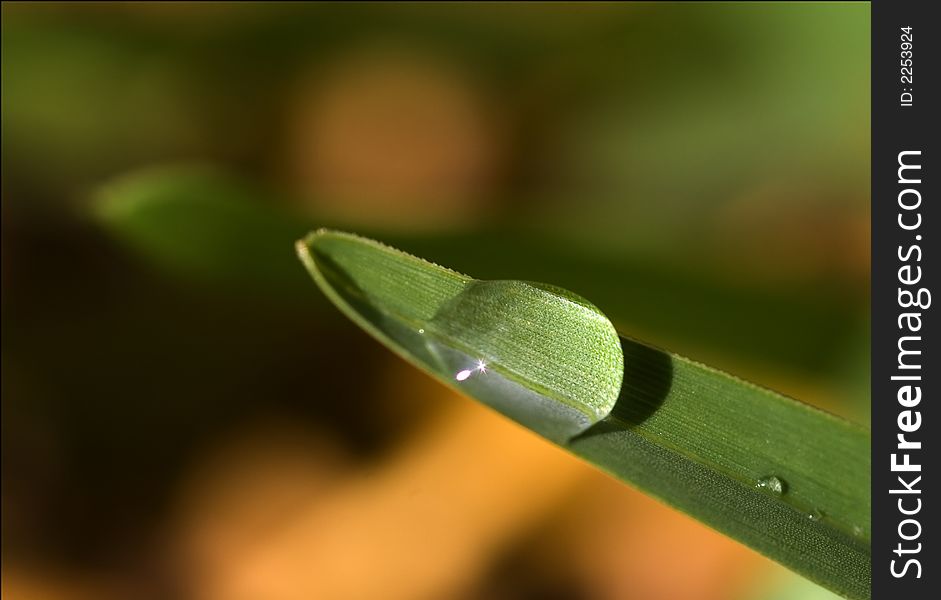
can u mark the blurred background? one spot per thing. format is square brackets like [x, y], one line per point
[183, 414]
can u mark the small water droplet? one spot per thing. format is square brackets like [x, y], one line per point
[421, 331]
[816, 515]
[462, 375]
[773, 484]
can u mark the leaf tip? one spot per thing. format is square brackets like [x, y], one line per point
[304, 246]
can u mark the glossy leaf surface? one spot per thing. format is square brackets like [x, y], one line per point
[785, 478]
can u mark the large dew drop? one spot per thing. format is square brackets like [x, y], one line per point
[545, 338]
[538, 354]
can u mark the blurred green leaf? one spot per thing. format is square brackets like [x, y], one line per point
[217, 228]
[203, 224]
[786, 479]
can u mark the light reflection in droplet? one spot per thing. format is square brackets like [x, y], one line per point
[480, 367]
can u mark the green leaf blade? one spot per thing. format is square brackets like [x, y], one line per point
[701, 440]
[496, 340]
[782, 477]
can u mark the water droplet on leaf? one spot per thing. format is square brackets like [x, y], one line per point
[816, 515]
[540, 355]
[773, 484]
